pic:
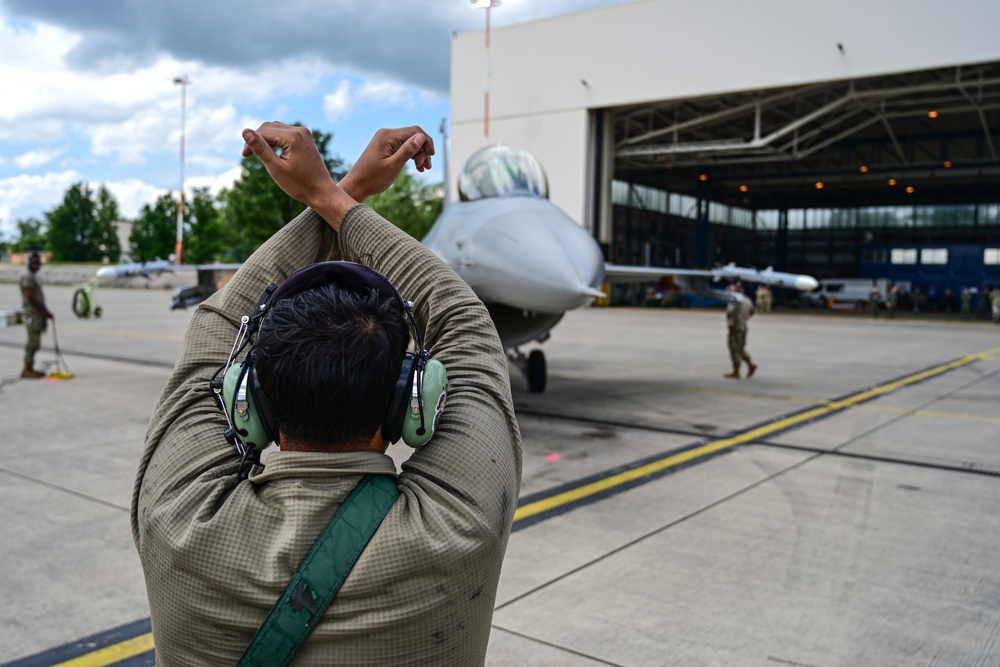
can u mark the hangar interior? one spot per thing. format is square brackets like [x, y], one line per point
[829, 179]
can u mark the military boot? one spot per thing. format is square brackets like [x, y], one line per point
[735, 375]
[30, 373]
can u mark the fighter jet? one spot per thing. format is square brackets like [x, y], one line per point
[210, 278]
[530, 263]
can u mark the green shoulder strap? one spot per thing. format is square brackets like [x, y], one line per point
[321, 573]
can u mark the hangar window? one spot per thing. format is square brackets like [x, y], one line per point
[991, 256]
[934, 256]
[903, 256]
[639, 196]
[874, 256]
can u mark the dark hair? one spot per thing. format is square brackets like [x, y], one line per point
[327, 360]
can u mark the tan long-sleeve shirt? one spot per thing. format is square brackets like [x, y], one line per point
[217, 553]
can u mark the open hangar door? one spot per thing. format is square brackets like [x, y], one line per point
[741, 169]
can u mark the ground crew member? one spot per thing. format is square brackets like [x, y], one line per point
[893, 301]
[35, 314]
[966, 312]
[217, 551]
[738, 311]
[873, 301]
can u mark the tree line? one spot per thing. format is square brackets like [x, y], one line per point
[227, 227]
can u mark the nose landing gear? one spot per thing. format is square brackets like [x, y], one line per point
[533, 367]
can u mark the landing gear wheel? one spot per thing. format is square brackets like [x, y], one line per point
[98, 311]
[81, 304]
[536, 372]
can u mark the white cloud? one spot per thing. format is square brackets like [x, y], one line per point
[338, 104]
[33, 159]
[22, 196]
[345, 99]
[132, 194]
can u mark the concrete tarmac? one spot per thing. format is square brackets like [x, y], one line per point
[838, 508]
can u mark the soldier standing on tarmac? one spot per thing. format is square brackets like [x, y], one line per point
[893, 301]
[36, 315]
[738, 311]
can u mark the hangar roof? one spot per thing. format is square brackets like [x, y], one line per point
[918, 137]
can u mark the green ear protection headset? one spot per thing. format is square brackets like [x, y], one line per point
[418, 398]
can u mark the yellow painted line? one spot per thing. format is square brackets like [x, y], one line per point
[587, 490]
[112, 654]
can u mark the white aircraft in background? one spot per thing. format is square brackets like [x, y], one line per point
[210, 277]
[530, 263]
[525, 258]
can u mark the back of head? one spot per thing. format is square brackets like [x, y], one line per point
[327, 360]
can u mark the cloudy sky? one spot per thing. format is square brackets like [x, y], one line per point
[87, 92]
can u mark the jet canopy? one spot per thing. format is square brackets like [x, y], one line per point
[501, 171]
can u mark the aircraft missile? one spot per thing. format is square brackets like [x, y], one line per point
[144, 269]
[768, 276]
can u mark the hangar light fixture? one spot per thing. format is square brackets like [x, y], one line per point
[819, 185]
[947, 164]
[932, 114]
[743, 188]
[909, 189]
[863, 169]
[702, 177]
[892, 181]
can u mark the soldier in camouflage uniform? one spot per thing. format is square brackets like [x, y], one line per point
[738, 311]
[35, 314]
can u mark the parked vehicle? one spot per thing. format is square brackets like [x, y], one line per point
[851, 291]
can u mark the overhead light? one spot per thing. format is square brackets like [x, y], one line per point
[743, 188]
[702, 177]
[909, 189]
[947, 164]
[819, 185]
[932, 114]
[863, 169]
[892, 181]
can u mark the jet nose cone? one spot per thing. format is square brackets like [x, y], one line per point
[534, 257]
[106, 274]
[806, 283]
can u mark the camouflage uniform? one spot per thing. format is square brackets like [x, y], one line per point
[34, 319]
[738, 311]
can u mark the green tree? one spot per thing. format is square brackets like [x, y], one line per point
[154, 231]
[204, 241]
[105, 230]
[410, 204]
[31, 235]
[255, 208]
[82, 230]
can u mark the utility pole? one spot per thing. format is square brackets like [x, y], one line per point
[487, 5]
[184, 82]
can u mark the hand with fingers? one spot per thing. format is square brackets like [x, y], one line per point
[299, 169]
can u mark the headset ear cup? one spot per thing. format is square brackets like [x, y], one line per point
[392, 426]
[419, 429]
[242, 399]
[262, 409]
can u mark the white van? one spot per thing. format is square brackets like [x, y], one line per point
[853, 291]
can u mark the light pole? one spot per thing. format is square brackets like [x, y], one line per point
[183, 81]
[487, 5]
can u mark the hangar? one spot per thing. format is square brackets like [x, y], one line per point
[849, 138]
